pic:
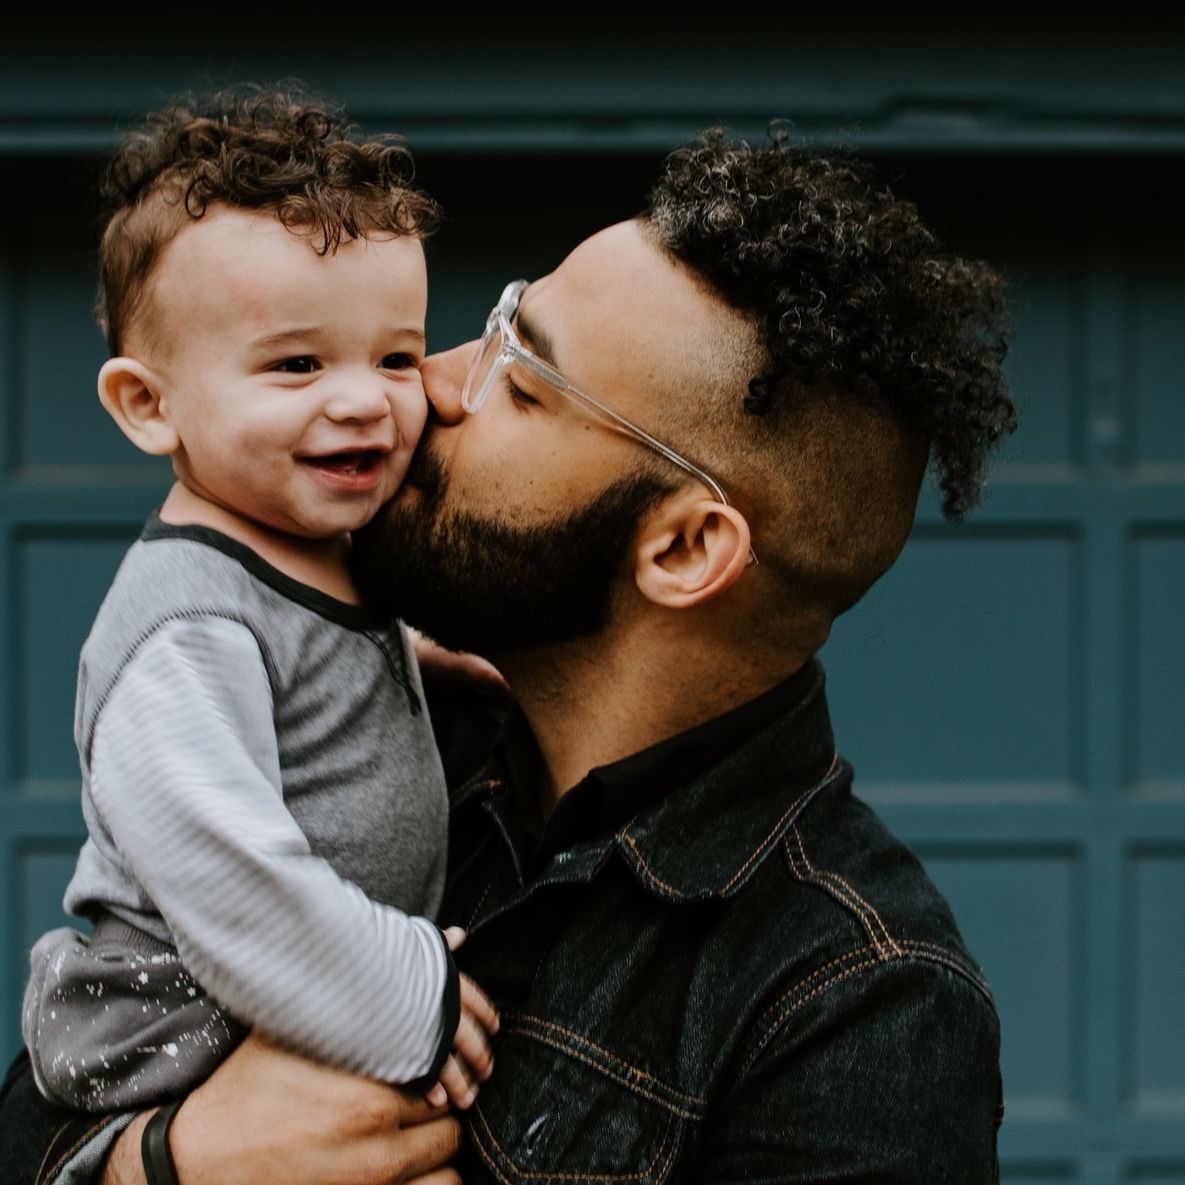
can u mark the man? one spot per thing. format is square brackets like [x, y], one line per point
[698, 441]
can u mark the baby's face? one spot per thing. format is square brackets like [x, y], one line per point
[291, 378]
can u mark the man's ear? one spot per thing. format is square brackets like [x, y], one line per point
[130, 391]
[691, 551]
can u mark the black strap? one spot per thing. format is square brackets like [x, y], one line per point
[159, 1168]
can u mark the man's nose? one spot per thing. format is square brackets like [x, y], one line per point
[444, 376]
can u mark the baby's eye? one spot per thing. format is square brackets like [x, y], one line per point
[398, 361]
[302, 364]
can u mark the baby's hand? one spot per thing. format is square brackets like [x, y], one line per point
[472, 1060]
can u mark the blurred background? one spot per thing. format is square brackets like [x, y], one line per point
[1012, 694]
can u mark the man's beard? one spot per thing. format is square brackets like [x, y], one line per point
[482, 585]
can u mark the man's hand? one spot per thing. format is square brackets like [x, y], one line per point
[472, 1060]
[443, 668]
[267, 1117]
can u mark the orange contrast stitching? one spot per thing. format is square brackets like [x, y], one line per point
[530, 1018]
[846, 973]
[629, 839]
[842, 890]
[948, 958]
[754, 855]
[859, 952]
[815, 878]
[480, 902]
[623, 1079]
[489, 1160]
[936, 953]
[781, 823]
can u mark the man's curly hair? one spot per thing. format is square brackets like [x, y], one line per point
[281, 151]
[850, 292]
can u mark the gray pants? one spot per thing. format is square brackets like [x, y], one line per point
[115, 1022]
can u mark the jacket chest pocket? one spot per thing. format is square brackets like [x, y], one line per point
[560, 1109]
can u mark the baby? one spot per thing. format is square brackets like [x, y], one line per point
[265, 804]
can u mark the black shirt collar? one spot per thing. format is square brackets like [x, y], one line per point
[610, 795]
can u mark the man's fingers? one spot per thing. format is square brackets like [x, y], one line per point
[444, 1176]
[413, 1109]
[422, 1148]
[454, 936]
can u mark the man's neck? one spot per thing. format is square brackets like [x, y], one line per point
[596, 701]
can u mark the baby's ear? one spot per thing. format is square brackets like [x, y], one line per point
[130, 391]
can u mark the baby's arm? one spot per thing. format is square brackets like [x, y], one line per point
[185, 775]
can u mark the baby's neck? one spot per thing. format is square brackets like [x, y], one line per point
[319, 563]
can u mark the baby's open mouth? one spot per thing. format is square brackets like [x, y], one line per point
[359, 461]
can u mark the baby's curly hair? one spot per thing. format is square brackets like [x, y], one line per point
[850, 293]
[282, 151]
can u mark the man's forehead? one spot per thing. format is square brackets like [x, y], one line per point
[618, 298]
[617, 287]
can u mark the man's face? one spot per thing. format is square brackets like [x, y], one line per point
[514, 524]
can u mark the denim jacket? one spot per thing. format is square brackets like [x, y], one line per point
[748, 980]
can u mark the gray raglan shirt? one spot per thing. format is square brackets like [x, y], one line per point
[262, 790]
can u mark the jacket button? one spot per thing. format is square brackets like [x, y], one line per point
[534, 1131]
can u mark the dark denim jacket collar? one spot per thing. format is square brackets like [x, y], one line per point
[702, 840]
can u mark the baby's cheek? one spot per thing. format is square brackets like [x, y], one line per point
[395, 466]
[412, 411]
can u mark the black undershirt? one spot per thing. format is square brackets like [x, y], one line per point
[610, 795]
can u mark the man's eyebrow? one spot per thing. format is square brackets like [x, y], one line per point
[534, 337]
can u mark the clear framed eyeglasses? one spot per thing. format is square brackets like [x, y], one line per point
[501, 347]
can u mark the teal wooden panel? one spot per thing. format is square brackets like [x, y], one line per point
[43, 873]
[1156, 1040]
[60, 421]
[60, 432]
[1159, 1174]
[1045, 291]
[1158, 567]
[61, 576]
[913, 665]
[1041, 362]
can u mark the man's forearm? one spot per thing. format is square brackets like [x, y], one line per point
[268, 1117]
[265, 1117]
[123, 1165]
